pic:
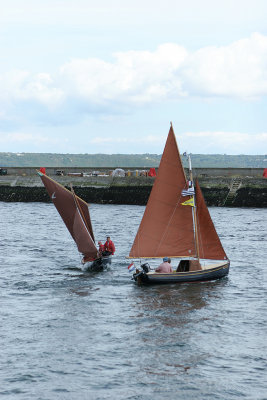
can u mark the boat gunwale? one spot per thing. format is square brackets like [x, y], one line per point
[153, 274]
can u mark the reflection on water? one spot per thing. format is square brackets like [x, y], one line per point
[177, 300]
[83, 291]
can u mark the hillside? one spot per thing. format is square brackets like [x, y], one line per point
[127, 160]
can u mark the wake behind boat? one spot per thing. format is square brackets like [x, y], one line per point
[177, 224]
[75, 214]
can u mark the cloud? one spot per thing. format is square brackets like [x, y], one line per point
[137, 78]
[150, 139]
[21, 86]
[22, 137]
[237, 70]
[206, 142]
[16, 137]
[171, 73]
[134, 76]
[209, 142]
[224, 142]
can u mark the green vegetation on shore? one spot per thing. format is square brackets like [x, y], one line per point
[127, 160]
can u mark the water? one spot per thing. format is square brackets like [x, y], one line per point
[68, 334]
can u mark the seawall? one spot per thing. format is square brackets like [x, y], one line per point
[246, 188]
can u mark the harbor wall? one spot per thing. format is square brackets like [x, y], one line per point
[197, 172]
[216, 186]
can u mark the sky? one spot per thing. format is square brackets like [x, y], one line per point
[86, 76]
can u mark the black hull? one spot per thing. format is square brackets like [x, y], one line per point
[99, 264]
[182, 277]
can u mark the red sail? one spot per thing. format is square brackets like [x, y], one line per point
[210, 246]
[167, 226]
[75, 214]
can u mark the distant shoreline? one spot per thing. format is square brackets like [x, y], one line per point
[57, 160]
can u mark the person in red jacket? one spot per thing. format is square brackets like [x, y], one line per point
[109, 246]
[101, 248]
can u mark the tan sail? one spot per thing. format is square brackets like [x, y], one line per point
[210, 246]
[75, 214]
[167, 226]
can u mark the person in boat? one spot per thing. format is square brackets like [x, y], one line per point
[165, 266]
[101, 248]
[109, 247]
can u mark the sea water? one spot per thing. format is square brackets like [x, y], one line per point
[70, 334]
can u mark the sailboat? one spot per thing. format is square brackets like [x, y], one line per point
[75, 214]
[177, 224]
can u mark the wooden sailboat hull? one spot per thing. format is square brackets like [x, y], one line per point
[99, 264]
[210, 274]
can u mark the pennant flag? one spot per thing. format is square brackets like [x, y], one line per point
[131, 267]
[189, 202]
[188, 192]
[42, 169]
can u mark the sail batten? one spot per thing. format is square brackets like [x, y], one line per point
[75, 214]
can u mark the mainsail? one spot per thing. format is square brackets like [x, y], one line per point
[75, 214]
[167, 226]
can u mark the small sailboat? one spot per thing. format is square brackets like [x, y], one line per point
[75, 214]
[177, 224]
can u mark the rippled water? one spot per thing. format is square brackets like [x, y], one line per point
[70, 334]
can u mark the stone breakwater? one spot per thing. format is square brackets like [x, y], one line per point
[217, 191]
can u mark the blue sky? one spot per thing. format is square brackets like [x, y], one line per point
[80, 76]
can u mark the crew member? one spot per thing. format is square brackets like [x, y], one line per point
[109, 247]
[101, 248]
[165, 266]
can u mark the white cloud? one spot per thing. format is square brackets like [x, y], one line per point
[104, 12]
[41, 88]
[171, 72]
[224, 142]
[150, 139]
[18, 85]
[195, 142]
[207, 142]
[135, 78]
[237, 70]
[16, 137]
[22, 137]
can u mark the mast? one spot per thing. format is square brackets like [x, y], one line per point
[194, 214]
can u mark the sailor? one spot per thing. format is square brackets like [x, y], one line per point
[109, 247]
[101, 248]
[165, 266]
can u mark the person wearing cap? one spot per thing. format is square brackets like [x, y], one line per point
[109, 247]
[101, 248]
[165, 266]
